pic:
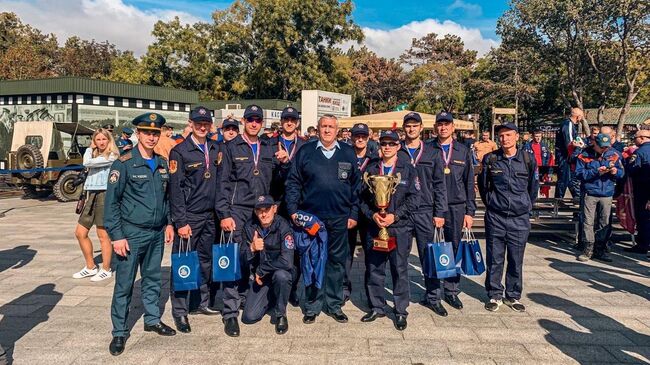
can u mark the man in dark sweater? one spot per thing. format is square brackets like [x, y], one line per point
[324, 181]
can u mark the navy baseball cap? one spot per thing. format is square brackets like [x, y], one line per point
[603, 140]
[290, 112]
[389, 134]
[149, 121]
[253, 111]
[264, 201]
[128, 131]
[230, 122]
[360, 129]
[200, 114]
[508, 125]
[413, 116]
[444, 117]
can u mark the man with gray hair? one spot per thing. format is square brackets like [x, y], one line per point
[324, 181]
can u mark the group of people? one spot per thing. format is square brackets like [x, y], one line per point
[297, 209]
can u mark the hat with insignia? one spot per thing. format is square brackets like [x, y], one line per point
[390, 134]
[229, 122]
[110, 127]
[264, 201]
[201, 114]
[149, 121]
[360, 129]
[128, 131]
[290, 112]
[253, 111]
[444, 117]
[413, 116]
[603, 140]
[506, 126]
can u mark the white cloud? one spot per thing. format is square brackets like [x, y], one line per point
[393, 42]
[128, 27]
[471, 10]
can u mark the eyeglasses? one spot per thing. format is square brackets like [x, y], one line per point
[254, 120]
[392, 144]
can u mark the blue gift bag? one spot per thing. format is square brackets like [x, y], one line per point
[225, 261]
[185, 268]
[469, 257]
[439, 259]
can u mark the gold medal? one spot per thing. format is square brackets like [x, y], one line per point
[256, 172]
[447, 171]
[207, 175]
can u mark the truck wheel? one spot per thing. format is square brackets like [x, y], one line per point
[64, 189]
[29, 157]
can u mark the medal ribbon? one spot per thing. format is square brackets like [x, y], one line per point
[256, 156]
[205, 152]
[283, 145]
[447, 156]
[414, 161]
[362, 166]
[381, 169]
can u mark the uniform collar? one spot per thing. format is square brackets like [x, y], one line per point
[138, 160]
[193, 146]
[271, 228]
[517, 156]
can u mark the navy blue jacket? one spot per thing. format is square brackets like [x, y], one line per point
[278, 187]
[638, 169]
[327, 188]
[278, 246]
[563, 137]
[363, 163]
[433, 194]
[593, 183]
[238, 186]
[402, 203]
[190, 191]
[460, 182]
[506, 186]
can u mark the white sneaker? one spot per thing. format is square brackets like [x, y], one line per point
[85, 272]
[102, 275]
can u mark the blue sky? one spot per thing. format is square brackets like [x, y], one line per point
[388, 26]
[379, 14]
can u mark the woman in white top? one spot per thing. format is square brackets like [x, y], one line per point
[98, 159]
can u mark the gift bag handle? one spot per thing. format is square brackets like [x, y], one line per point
[223, 238]
[187, 246]
[467, 234]
[439, 235]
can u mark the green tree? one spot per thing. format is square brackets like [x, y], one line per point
[84, 58]
[127, 68]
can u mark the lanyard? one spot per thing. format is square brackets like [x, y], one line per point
[415, 160]
[447, 155]
[381, 169]
[256, 154]
[206, 153]
[283, 144]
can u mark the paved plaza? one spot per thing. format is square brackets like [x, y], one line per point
[577, 312]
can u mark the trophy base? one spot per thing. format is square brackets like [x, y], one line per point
[384, 245]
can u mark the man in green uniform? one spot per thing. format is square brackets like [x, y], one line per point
[136, 216]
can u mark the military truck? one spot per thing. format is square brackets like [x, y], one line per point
[56, 147]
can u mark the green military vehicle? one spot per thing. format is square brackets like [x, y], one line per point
[55, 152]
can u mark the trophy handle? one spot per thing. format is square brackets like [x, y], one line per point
[396, 180]
[366, 179]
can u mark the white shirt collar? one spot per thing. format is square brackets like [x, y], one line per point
[319, 144]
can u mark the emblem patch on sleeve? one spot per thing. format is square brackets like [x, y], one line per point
[288, 242]
[173, 166]
[114, 177]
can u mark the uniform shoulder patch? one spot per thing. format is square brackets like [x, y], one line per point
[173, 166]
[288, 242]
[127, 156]
[114, 177]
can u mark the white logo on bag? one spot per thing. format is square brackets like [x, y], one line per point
[224, 262]
[444, 260]
[478, 257]
[184, 271]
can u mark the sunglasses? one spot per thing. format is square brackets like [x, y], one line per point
[392, 144]
[254, 120]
